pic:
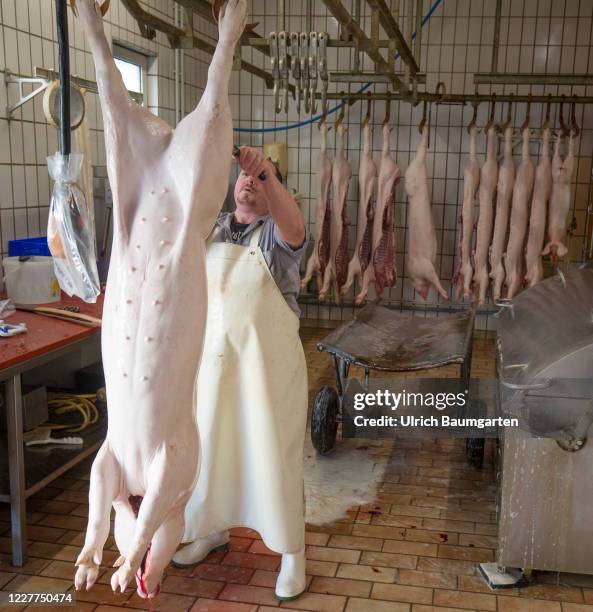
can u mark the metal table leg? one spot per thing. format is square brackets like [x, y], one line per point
[16, 469]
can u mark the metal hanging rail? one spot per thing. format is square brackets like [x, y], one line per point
[462, 98]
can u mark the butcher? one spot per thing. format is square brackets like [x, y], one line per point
[252, 384]
[168, 187]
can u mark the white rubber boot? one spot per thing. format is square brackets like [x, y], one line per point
[292, 580]
[197, 551]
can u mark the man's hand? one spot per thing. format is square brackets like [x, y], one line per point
[253, 162]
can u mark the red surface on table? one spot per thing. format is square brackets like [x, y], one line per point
[46, 333]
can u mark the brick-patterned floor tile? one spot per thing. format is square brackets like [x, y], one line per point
[449, 525]
[37, 584]
[391, 520]
[73, 538]
[192, 586]
[60, 569]
[264, 578]
[240, 544]
[321, 568]
[468, 601]
[32, 566]
[378, 531]
[316, 539]
[520, 604]
[477, 584]
[410, 548]
[416, 511]
[316, 602]
[355, 543]
[60, 552]
[401, 593]
[338, 555]
[435, 580]
[464, 553]
[245, 532]
[44, 534]
[373, 573]
[226, 573]
[258, 547]
[366, 605]
[479, 540]
[588, 595]
[571, 607]
[65, 521]
[80, 510]
[268, 562]
[248, 594]
[423, 608]
[340, 586]
[215, 605]
[551, 591]
[102, 594]
[165, 602]
[447, 566]
[430, 536]
[8, 576]
[388, 559]
[79, 606]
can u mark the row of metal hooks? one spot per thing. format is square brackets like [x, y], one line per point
[566, 130]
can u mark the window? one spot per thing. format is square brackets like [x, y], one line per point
[133, 67]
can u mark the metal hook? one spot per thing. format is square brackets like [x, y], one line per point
[509, 118]
[546, 124]
[368, 115]
[472, 123]
[340, 118]
[490, 122]
[423, 122]
[563, 127]
[574, 128]
[387, 108]
[440, 91]
[525, 124]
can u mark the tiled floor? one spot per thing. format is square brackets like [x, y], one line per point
[414, 550]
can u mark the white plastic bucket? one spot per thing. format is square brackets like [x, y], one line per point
[32, 281]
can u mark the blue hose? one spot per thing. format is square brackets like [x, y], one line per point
[285, 128]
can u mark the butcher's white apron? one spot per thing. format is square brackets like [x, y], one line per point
[251, 405]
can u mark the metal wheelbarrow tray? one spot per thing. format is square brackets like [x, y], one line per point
[383, 339]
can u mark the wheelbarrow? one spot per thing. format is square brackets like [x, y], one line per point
[383, 339]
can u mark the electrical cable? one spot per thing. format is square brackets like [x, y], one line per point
[66, 403]
[300, 124]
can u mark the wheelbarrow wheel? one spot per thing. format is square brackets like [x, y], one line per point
[324, 420]
[474, 448]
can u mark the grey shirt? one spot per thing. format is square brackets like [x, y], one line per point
[282, 259]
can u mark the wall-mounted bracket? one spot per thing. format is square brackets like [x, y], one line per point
[23, 98]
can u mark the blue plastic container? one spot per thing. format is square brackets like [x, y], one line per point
[28, 246]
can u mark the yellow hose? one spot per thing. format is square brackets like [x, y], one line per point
[64, 403]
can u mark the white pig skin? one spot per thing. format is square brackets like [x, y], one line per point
[168, 187]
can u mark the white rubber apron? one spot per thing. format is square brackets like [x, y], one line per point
[251, 405]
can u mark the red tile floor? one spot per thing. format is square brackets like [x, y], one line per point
[414, 549]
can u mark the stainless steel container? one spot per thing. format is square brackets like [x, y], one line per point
[545, 366]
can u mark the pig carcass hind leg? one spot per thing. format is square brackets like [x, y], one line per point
[161, 500]
[104, 487]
